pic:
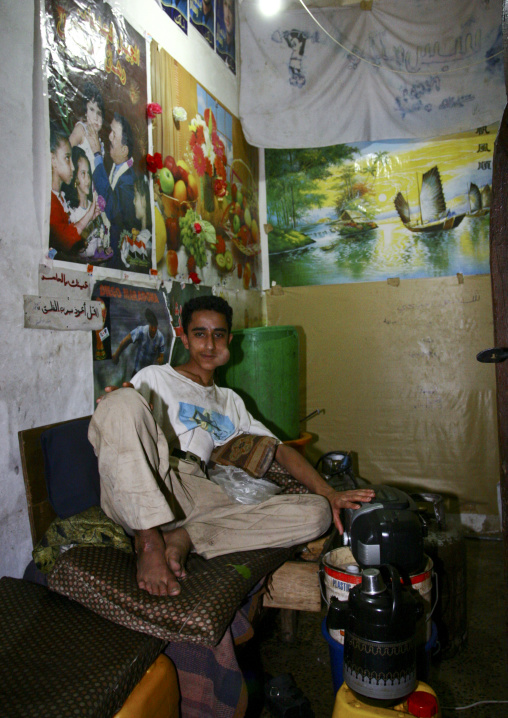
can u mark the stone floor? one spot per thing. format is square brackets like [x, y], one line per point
[475, 670]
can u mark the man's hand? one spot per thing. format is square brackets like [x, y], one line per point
[301, 470]
[347, 500]
[93, 139]
[111, 388]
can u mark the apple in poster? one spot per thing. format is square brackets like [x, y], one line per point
[167, 180]
[170, 163]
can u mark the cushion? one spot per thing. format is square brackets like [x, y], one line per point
[58, 659]
[90, 527]
[71, 468]
[253, 454]
[280, 476]
[104, 580]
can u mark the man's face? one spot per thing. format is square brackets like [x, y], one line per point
[118, 151]
[152, 330]
[207, 339]
[229, 17]
[61, 162]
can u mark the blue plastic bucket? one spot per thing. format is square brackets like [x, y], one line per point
[336, 657]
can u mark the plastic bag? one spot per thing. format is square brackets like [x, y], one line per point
[241, 487]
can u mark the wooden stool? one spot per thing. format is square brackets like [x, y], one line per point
[295, 587]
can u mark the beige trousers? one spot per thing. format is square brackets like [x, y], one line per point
[143, 487]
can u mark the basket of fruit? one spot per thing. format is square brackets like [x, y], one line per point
[240, 217]
[179, 188]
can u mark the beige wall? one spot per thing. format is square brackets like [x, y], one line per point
[395, 370]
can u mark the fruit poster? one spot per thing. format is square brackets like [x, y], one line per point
[136, 332]
[96, 74]
[368, 211]
[205, 185]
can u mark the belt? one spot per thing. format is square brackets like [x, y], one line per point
[187, 456]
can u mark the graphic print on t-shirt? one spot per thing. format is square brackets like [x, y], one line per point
[218, 425]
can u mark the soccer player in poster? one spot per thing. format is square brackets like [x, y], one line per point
[150, 343]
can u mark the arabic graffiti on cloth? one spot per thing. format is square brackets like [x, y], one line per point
[218, 425]
[382, 74]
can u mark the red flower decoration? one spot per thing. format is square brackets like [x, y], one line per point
[218, 146]
[220, 170]
[153, 109]
[197, 228]
[194, 278]
[154, 163]
[200, 135]
[208, 167]
[199, 160]
[220, 187]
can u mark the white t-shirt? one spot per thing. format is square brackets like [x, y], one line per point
[200, 417]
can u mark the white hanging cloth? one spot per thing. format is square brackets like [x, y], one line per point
[411, 69]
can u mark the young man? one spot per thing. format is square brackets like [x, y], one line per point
[171, 511]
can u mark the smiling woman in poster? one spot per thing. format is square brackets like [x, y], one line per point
[79, 196]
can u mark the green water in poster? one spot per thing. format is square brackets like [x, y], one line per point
[366, 212]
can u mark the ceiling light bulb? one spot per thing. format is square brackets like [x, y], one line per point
[270, 7]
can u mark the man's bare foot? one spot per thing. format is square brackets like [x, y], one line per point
[154, 573]
[178, 545]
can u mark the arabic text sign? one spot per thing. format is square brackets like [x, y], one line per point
[63, 283]
[62, 313]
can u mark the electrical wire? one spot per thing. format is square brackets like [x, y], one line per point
[390, 69]
[472, 705]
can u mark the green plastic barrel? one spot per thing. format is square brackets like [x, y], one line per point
[263, 370]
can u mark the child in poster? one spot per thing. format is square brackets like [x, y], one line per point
[225, 33]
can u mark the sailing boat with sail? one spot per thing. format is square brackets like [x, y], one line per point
[434, 215]
[479, 200]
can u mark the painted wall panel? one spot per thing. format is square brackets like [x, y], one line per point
[394, 368]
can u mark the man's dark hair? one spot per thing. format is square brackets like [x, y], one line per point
[56, 136]
[90, 93]
[206, 303]
[151, 318]
[127, 136]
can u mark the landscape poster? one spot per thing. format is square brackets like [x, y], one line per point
[368, 211]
